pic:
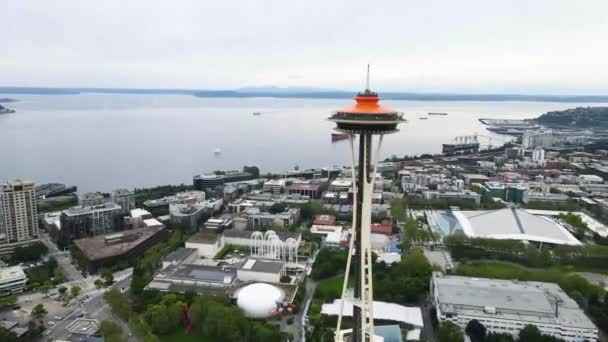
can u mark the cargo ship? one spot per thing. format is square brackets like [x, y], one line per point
[460, 148]
[463, 144]
[437, 113]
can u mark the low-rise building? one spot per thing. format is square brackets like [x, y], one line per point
[546, 197]
[305, 189]
[257, 220]
[159, 207]
[463, 195]
[107, 250]
[90, 199]
[187, 216]
[206, 244]
[324, 229]
[275, 186]
[507, 306]
[12, 280]
[193, 277]
[137, 217]
[218, 225]
[258, 270]
[340, 185]
[211, 181]
[324, 220]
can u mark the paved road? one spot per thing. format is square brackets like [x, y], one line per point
[92, 307]
[63, 258]
[428, 332]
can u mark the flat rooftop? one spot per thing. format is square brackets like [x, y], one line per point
[197, 273]
[533, 302]
[203, 238]
[262, 266]
[80, 210]
[179, 254]
[109, 245]
[11, 273]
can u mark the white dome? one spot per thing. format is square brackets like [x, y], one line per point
[259, 300]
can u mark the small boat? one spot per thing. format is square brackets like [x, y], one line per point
[217, 151]
[437, 113]
[423, 118]
[257, 113]
[338, 137]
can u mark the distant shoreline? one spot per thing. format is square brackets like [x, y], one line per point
[305, 94]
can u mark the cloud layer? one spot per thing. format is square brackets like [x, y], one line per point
[549, 46]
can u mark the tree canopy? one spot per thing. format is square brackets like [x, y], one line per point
[476, 331]
[449, 332]
[39, 311]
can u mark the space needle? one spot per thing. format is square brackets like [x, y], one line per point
[366, 119]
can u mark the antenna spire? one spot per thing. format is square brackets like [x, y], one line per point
[367, 90]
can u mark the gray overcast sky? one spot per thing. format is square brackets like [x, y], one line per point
[515, 46]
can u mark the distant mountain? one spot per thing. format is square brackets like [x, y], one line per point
[301, 92]
[36, 91]
[581, 117]
[7, 100]
[282, 90]
[336, 94]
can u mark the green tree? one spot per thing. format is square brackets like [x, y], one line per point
[494, 337]
[277, 208]
[397, 209]
[253, 170]
[7, 336]
[7, 301]
[107, 275]
[32, 252]
[75, 291]
[111, 331]
[38, 311]
[62, 290]
[119, 303]
[410, 229]
[476, 331]
[449, 332]
[530, 333]
[158, 319]
[46, 287]
[58, 276]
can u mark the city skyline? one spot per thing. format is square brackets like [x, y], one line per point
[472, 47]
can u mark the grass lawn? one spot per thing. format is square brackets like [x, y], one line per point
[330, 289]
[180, 336]
[509, 271]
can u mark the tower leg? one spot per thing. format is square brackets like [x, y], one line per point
[360, 243]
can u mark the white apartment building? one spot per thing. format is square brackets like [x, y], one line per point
[507, 306]
[18, 215]
[125, 199]
[12, 280]
[541, 138]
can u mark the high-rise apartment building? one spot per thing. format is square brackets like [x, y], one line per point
[18, 220]
[125, 199]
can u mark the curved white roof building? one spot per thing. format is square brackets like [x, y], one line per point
[511, 224]
[259, 300]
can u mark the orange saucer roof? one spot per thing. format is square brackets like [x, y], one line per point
[367, 103]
